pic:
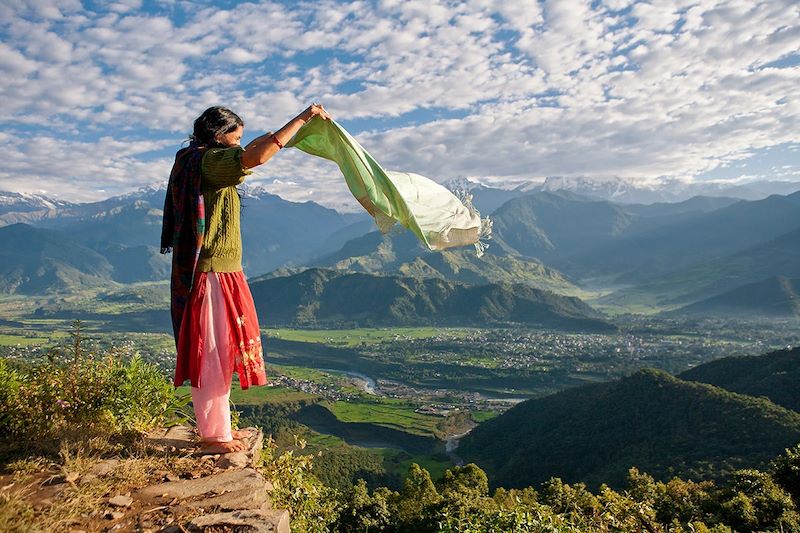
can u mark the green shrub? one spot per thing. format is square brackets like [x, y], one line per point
[81, 393]
[756, 503]
[361, 512]
[786, 472]
[313, 507]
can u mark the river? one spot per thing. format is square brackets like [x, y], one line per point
[367, 383]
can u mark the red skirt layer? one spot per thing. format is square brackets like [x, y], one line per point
[243, 335]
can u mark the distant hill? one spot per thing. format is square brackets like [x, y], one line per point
[652, 216]
[131, 222]
[328, 297]
[778, 257]
[777, 296]
[559, 226]
[132, 264]
[651, 420]
[695, 204]
[45, 261]
[400, 252]
[552, 225]
[673, 247]
[775, 375]
[38, 261]
[275, 232]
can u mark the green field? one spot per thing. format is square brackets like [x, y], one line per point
[261, 395]
[483, 416]
[357, 337]
[300, 372]
[395, 414]
[20, 340]
[434, 464]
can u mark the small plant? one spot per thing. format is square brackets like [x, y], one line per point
[16, 513]
[312, 505]
[82, 393]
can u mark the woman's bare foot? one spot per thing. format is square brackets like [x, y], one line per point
[230, 446]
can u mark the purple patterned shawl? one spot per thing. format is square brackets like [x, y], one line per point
[183, 227]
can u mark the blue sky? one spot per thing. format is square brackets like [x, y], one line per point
[99, 95]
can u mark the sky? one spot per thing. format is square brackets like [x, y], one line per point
[98, 96]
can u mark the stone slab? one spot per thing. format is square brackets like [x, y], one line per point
[227, 481]
[236, 500]
[181, 437]
[103, 468]
[250, 521]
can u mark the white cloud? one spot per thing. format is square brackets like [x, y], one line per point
[566, 87]
[14, 64]
[75, 171]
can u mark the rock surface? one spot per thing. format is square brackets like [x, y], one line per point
[121, 500]
[229, 480]
[250, 521]
[235, 497]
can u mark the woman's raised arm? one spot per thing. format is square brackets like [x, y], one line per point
[262, 148]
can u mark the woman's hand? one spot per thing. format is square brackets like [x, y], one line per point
[262, 148]
[314, 110]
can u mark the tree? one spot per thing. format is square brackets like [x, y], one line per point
[414, 506]
[786, 472]
[756, 503]
[360, 512]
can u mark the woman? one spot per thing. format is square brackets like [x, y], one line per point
[213, 316]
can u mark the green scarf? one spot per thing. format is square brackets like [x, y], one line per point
[433, 213]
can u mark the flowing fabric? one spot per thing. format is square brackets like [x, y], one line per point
[242, 342]
[183, 228]
[433, 213]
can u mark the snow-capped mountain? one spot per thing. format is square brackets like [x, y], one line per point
[620, 190]
[25, 202]
[631, 191]
[613, 188]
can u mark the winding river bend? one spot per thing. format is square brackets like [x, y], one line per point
[366, 383]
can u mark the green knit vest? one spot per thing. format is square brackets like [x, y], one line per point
[222, 171]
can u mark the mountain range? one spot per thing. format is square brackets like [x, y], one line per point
[320, 297]
[663, 255]
[275, 232]
[629, 191]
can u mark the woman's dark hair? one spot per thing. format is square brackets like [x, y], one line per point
[214, 121]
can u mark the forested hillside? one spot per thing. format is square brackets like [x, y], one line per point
[317, 297]
[400, 252]
[38, 261]
[649, 420]
[775, 376]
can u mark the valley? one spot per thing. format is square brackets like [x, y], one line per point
[382, 354]
[374, 400]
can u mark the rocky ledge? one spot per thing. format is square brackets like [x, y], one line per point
[216, 493]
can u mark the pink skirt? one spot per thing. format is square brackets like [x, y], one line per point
[241, 341]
